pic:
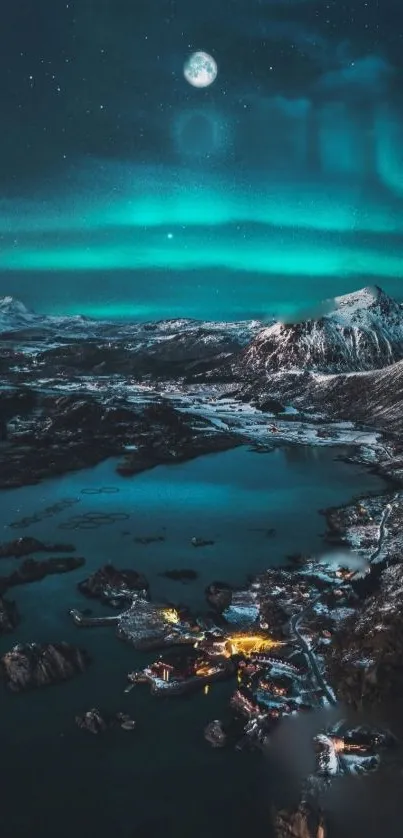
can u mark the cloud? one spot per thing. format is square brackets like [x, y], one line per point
[292, 31]
[371, 73]
[345, 558]
[312, 313]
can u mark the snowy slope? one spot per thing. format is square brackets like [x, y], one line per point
[177, 336]
[365, 658]
[178, 340]
[375, 397]
[16, 317]
[364, 331]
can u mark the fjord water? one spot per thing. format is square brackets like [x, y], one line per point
[162, 777]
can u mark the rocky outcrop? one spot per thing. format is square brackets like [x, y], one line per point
[166, 451]
[365, 658]
[33, 571]
[215, 734]
[9, 616]
[30, 665]
[219, 596]
[201, 542]
[306, 821]
[170, 437]
[24, 546]
[95, 721]
[67, 433]
[112, 586]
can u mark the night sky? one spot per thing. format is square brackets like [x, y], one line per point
[125, 191]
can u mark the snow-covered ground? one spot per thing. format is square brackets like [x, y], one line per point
[225, 412]
[256, 426]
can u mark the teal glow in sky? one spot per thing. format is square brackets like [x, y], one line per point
[248, 199]
[270, 250]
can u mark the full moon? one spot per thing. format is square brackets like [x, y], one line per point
[200, 69]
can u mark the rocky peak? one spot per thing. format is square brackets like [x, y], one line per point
[14, 313]
[368, 308]
[10, 304]
[360, 331]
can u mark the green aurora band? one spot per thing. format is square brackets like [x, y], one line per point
[286, 229]
[342, 221]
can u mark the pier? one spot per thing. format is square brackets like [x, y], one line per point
[85, 622]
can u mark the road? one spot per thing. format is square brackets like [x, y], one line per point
[294, 628]
[381, 533]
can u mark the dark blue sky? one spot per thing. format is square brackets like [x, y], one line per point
[286, 174]
[102, 77]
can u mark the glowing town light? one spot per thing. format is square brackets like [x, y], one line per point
[202, 671]
[170, 615]
[249, 644]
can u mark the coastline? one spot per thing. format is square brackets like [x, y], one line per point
[181, 429]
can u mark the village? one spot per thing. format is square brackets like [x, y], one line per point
[270, 639]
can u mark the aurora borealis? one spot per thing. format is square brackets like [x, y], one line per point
[278, 186]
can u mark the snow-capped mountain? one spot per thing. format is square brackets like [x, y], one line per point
[171, 340]
[363, 331]
[16, 317]
[178, 340]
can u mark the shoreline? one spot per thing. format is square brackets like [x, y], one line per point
[380, 457]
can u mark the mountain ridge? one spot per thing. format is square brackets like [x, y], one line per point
[364, 331]
[16, 317]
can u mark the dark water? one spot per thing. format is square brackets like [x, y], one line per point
[163, 777]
